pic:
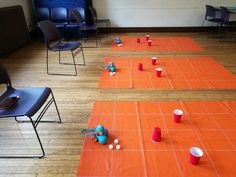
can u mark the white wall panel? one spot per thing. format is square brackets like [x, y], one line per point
[142, 13]
[155, 13]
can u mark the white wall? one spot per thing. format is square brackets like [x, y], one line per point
[26, 4]
[142, 13]
[155, 13]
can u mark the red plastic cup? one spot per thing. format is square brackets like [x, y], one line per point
[149, 42]
[195, 155]
[154, 60]
[156, 135]
[140, 67]
[177, 115]
[138, 40]
[158, 72]
[147, 37]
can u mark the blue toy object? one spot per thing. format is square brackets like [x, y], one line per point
[98, 134]
[117, 40]
[110, 67]
[102, 139]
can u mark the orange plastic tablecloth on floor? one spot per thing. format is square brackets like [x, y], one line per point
[178, 73]
[159, 44]
[210, 125]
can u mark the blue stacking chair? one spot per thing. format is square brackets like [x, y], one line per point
[211, 16]
[59, 17]
[54, 43]
[41, 13]
[226, 21]
[225, 16]
[80, 25]
[31, 101]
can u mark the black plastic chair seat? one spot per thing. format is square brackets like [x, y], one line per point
[216, 20]
[65, 46]
[82, 26]
[61, 25]
[102, 21]
[31, 99]
[73, 25]
[88, 28]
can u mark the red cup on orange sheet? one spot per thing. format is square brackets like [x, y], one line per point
[158, 72]
[149, 42]
[147, 37]
[154, 60]
[177, 115]
[156, 135]
[140, 67]
[138, 40]
[195, 155]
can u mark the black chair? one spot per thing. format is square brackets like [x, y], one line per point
[80, 25]
[31, 101]
[211, 16]
[54, 43]
[93, 12]
[225, 15]
[59, 17]
[41, 13]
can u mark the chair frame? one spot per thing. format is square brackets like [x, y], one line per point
[73, 54]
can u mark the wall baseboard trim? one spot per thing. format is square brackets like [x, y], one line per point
[161, 29]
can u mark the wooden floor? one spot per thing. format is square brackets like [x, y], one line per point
[75, 96]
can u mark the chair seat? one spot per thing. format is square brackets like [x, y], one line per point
[82, 27]
[216, 20]
[230, 23]
[102, 21]
[61, 25]
[73, 25]
[87, 28]
[65, 46]
[30, 101]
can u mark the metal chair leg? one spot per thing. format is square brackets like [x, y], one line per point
[58, 114]
[73, 58]
[58, 74]
[82, 54]
[29, 156]
[40, 143]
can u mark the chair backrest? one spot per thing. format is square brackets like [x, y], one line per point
[4, 76]
[72, 17]
[225, 14]
[93, 12]
[42, 14]
[59, 14]
[50, 32]
[76, 15]
[210, 12]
